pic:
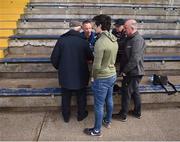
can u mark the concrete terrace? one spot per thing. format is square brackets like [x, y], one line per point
[27, 114]
[35, 124]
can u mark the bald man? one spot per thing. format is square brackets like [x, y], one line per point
[132, 72]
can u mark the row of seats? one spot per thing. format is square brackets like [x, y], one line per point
[47, 60]
[29, 53]
[4, 92]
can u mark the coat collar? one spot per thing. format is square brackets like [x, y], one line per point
[71, 33]
[133, 35]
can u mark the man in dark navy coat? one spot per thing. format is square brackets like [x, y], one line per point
[70, 57]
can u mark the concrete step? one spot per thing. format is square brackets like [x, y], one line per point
[39, 31]
[174, 2]
[47, 50]
[51, 101]
[29, 83]
[28, 91]
[28, 75]
[103, 10]
[43, 24]
[162, 50]
[30, 50]
[51, 42]
[40, 45]
[90, 16]
[53, 82]
[61, 24]
[38, 97]
[50, 31]
[42, 66]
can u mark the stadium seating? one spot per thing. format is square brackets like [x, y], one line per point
[26, 70]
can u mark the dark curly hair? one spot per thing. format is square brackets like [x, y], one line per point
[103, 20]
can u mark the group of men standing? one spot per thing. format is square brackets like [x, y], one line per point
[74, 51]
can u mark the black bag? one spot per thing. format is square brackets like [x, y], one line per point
[163, 80]
[160, 79]
[116, 88]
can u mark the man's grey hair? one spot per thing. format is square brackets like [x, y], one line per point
[75, 28]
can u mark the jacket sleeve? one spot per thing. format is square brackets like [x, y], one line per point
[89, 53]
[55, 56]
[135, 55]
[98, 56]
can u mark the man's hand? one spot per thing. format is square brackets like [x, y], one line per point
[123, 74]
[90, 62]
[92, 79]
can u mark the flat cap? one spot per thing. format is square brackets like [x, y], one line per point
[119, 22]
[74, 23]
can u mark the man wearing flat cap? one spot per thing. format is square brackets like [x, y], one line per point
[70, 57]
[119, 32]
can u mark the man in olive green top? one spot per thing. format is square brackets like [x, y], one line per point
[103, 73]
[105, 56]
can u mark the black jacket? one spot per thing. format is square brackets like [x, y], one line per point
[70, 56]
[121, 57]
[134, 50]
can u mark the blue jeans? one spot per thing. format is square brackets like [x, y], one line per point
[103, 93]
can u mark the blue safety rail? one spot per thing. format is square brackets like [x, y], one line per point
[5, 92]
[47, 59]
[146, 37]
[161, 58]
[26, 60]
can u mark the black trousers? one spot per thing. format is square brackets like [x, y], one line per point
[130, 88]
[66, 102]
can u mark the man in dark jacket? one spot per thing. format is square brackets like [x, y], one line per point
[70, 57]
[119, 32]
[132, 71]
[88, 33]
